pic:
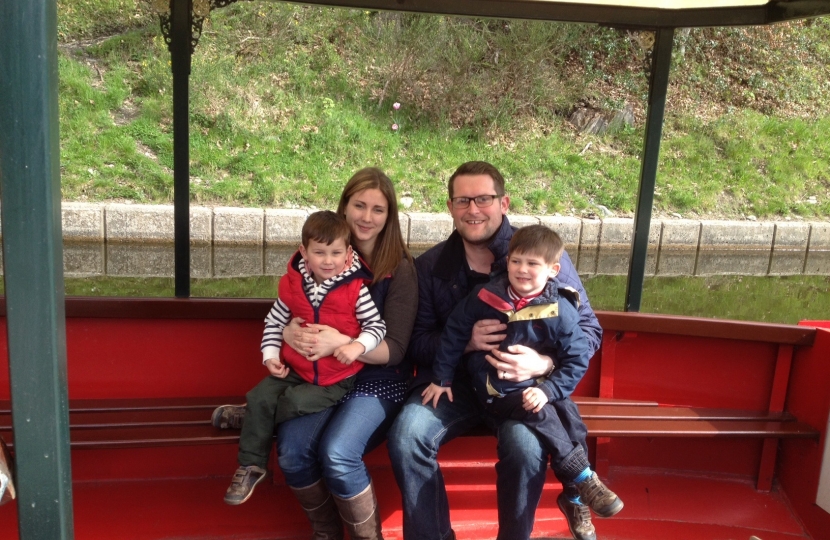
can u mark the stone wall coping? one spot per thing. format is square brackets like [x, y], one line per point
[134, 223]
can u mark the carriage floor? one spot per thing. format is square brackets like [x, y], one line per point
[659, 504]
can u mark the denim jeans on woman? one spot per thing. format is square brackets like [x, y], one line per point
[331, 444]
[414, 440]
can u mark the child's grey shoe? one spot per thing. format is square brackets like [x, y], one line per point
[245, 479]
[228, 417]
[578, 517]
[602, 500]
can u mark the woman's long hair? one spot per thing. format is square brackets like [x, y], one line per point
[389, 245]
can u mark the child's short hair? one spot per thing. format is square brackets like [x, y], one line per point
[325, 227]
[537, 240]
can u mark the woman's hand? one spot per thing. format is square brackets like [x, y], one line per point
[520, 363]
[314, 341]
[325, 341]
[298, 337]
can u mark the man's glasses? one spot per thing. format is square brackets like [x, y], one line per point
[482, 201]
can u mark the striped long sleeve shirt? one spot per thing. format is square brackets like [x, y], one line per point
[373, 328]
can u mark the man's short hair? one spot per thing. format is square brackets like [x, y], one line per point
[537, 240]
[325, 227]
[479, 167]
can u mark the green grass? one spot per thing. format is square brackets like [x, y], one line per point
[786, 299]
[287, 101]
[250, 287]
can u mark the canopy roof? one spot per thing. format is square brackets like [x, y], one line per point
[630, 13]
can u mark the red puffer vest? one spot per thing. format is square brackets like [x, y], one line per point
[336, 310]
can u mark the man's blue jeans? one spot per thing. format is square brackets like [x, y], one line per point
[331, 444]
[413, 443]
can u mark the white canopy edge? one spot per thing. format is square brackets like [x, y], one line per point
[663, 4]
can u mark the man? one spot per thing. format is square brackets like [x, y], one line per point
[473, 253]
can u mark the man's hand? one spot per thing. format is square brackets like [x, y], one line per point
[277, 368]
[520, 363]
[533, 399]
[486, 335]
[346, 354]
[433, 393]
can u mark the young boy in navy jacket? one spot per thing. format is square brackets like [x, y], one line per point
[542, 314]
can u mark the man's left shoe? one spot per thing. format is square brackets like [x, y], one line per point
[578, 517]
[602, 500]
[228, 417]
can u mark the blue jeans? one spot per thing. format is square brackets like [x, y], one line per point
[551, 425]
[414, 440]
[331, 444]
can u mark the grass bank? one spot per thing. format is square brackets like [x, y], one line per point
[287, 101]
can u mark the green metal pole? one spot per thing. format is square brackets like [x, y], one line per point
[33, 266]
[660, 67]
[181, 19]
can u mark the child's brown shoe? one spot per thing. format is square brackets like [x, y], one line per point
[602, 500]
[245, 479]
[228, 417]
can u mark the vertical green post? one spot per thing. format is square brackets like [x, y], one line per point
[181, 15]
[33, 265]
[659, 83]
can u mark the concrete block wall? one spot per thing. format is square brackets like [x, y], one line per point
[135, 223]
[219, 238]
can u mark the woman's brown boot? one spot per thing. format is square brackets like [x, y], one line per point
[321, 510]
[360, 514]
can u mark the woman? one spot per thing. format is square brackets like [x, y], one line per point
[321, 455]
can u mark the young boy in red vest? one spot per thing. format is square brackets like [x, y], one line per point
[324, 284]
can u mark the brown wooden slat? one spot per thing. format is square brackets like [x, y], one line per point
[698, 428]
[122, 437]
[148, 418]
[147, 437]
[150, 404]
[141, 404]
[201, 416]
[600, 401]
[81, 405]
[167, 406]
[186, 421]
[625, 412]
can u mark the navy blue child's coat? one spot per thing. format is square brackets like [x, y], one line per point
[549, 324]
